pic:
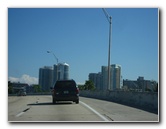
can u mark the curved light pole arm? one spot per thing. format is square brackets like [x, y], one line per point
[53, 55]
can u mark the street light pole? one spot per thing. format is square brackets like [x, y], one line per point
[53, 55]
[57, 63]
[109, 18]
[109, 57]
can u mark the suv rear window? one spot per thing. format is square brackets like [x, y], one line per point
[65, 85]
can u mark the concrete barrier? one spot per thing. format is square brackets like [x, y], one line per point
[144, 100]
[41, 93]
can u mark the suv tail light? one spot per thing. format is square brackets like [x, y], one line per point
[77, 91]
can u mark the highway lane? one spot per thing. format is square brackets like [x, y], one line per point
[120, 113]
[40, 108]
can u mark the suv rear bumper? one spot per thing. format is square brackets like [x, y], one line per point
[65, 97]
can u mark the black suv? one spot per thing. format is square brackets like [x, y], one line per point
[65, 90]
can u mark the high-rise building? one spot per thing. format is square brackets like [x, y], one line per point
[46, 78]
[96, 79]
[100, 79]
[104, 77]
[61, 72]
[115, 77]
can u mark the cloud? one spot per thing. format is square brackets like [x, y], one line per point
[24, 79]
[80, 83]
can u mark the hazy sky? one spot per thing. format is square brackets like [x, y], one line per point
[79, 37]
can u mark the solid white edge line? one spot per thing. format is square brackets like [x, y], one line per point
[93, 110]
[20, 114]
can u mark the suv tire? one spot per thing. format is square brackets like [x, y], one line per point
[77, 101]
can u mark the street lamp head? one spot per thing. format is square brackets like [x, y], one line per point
[48, 52]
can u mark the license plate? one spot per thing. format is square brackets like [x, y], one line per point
[66, 92]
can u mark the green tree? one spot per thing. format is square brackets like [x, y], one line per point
[37, 88]
[81, 87]
[89, 85]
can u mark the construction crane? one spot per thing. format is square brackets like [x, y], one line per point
[109, 18]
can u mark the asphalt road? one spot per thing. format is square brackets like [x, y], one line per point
[40, 108]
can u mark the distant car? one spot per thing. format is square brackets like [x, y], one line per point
[22, 93]
[65, 90]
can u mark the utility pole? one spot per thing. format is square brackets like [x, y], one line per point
[57, 63]
[109, 18]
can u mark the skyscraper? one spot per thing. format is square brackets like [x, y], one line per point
[104, 76]
[115, 77]
[46, 77]
[61, 72]
[100, 79]
[96, 79]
